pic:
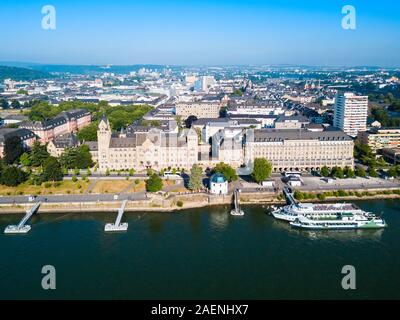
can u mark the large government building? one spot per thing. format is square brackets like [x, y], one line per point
[141, 150]
[299, 149]
[287, 149]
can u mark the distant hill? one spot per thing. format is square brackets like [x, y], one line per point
[92, 69]
[21, 74]
[82, 69]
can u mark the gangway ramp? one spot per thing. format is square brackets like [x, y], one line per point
[289, 196]
[21, 227]
[118, 226]
[236, 200]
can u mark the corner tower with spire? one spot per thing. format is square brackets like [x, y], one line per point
[103, 138]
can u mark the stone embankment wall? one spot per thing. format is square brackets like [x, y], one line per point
[160, 203]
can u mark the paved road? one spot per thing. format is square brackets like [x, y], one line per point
[109, 177]
[358, 183]
[74, 198]
[348, 187]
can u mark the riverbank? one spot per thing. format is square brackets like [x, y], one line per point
[177, 202]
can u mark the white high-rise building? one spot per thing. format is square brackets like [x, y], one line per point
[204, 83]
[351, 113]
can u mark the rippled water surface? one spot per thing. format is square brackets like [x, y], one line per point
[203, 253]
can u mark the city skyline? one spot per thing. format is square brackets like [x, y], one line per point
[201, 150]
[202, 33]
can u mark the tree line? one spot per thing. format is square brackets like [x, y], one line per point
[37, 165]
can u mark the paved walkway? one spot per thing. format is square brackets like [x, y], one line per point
[73, 198]
[91, 186]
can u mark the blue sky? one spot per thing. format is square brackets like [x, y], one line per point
[201, 32]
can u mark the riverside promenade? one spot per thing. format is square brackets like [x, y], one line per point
[170, 200]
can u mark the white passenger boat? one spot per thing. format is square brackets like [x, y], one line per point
[331, 210]
[343, 221]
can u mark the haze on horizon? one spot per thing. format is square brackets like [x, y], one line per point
[197, 32]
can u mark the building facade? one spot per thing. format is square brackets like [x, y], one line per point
[291, 122]
[154, 149]
[200, 109]
[27, 137]
[380, 138]
[351, 113]
[299, 149]
[66, 122]
[57, 146]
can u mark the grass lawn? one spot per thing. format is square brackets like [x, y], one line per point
[64, 187]
[138, 187]
[179, 189]
[168, 183]
[111, 186]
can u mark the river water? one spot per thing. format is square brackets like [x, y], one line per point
[198, 254]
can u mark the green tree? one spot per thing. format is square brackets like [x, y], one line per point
[228, 172]
[22, 91]
[337, 172]
[78, 157]
[52, 170]
[298, 195]
[363, 152]
[15, 104]
[131, 172]
[325, 172]
[38, 154]
[13, 176]
[381, 162]
[348, 172]
[392, 172]
[4, 104]
[154, 183]
[372, 172]
[121, 116]
[262, 169]
[360, 172]
[25, 160]
[179, 121]
[196, 177]
[13, 149]
[88, 133]
[321, 196]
